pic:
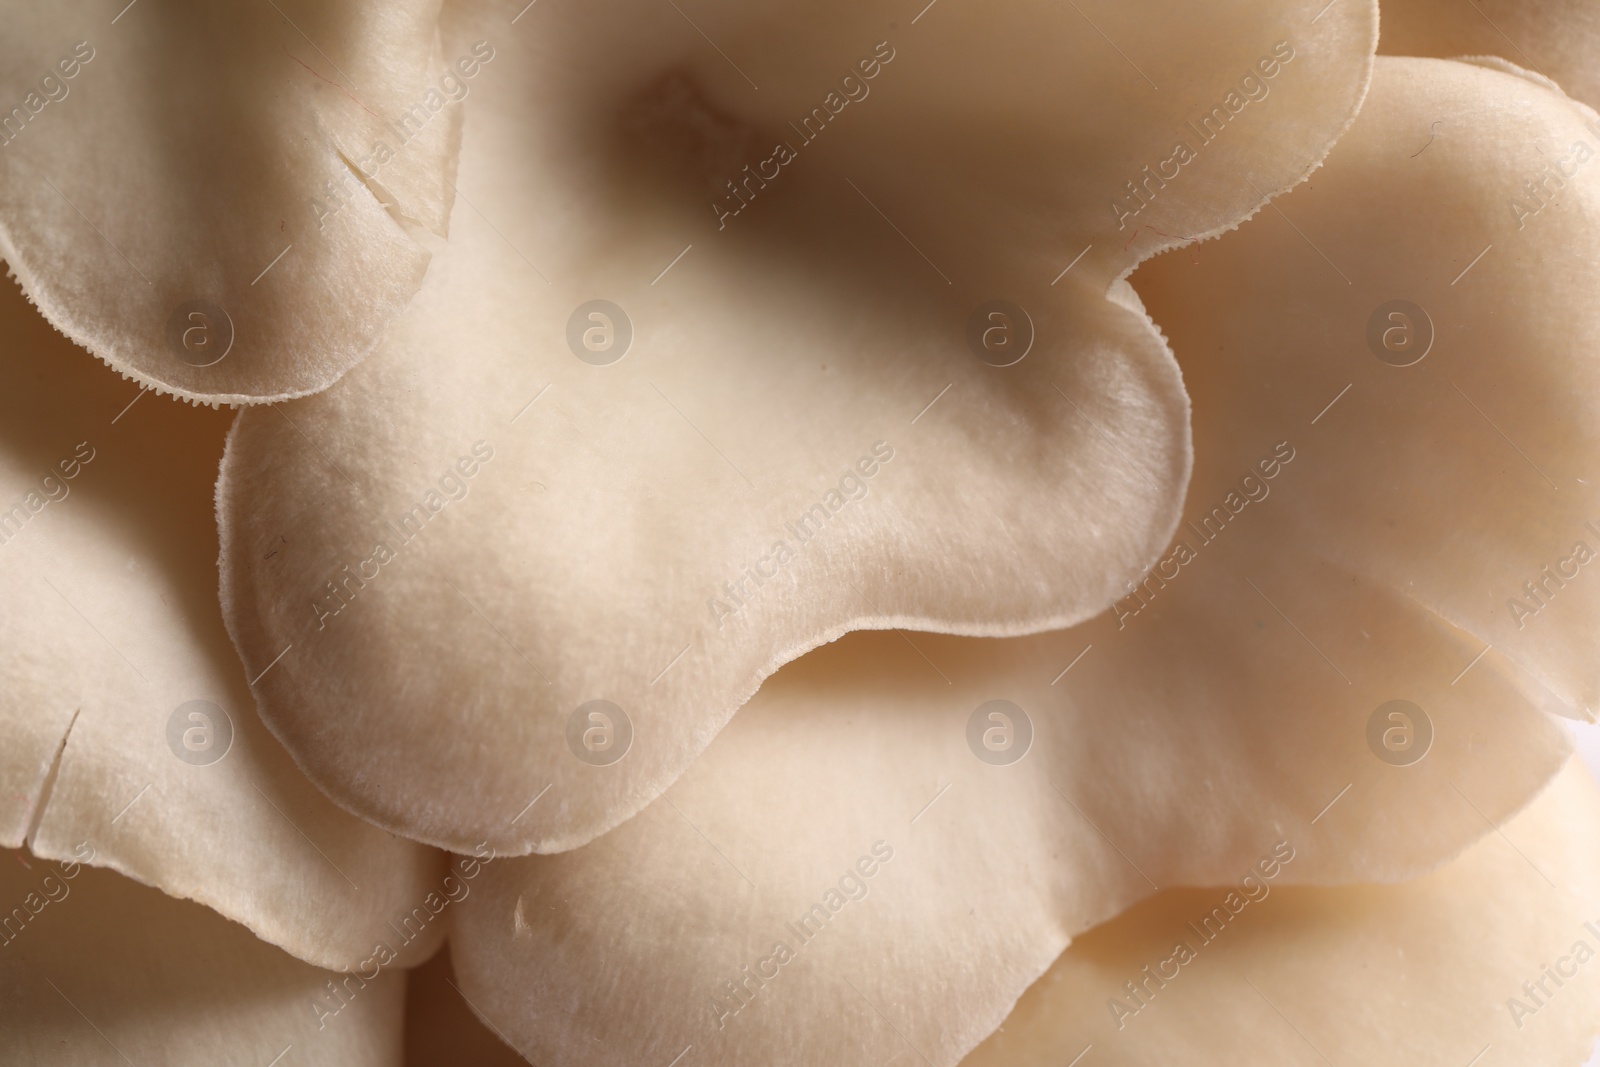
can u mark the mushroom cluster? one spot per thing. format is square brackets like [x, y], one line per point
[701, 534]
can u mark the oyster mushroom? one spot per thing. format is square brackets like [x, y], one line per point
[126, 722]
[1307, 688]
[1441, 344]
[1554, 38]
[1493, 955]
[223, 200]
[775, 431]
[107, 972]
[1332, 955]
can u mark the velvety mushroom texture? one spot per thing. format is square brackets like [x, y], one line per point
[1495, 956]
[1260, 695]
[215, 198]
[775, 431]
[1556, 38]
[922, 854]
[1409, 936]
[126, 724]
[1429, 355]
[101, 971]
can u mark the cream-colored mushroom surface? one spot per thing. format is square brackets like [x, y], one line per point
[126, 721]
[1430, 356]
[1344, 955]
[1262, 697]
[97, 970]
[799, 533]
[863, 843]
[1495, 956]
[219, 199]
[1555, 38]
[580, 533]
